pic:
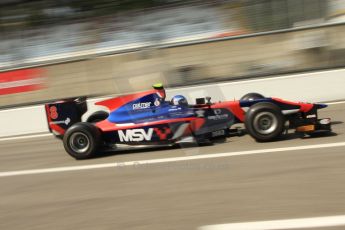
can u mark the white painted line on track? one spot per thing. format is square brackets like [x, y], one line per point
[165, 160]
[26, 137]
[314, 222]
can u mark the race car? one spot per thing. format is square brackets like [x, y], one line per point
[147, 118]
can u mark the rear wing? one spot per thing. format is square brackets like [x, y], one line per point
[63, 114]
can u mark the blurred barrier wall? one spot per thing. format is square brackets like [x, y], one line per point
[193, 63]
[312, 87]
[320, 86]
[36, 32]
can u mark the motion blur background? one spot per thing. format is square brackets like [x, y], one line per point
[52, 49]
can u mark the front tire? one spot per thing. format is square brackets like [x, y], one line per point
[264, 121]
[251, 97]
[82, 140]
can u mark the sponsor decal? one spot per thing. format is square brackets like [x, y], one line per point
[217, 111]
[218, 133]
[23, 80]
[162, 133]
[66, 122]
[175, 108]
[157, 102]
[143, 105]
[311, 116]
[218, 117]
[53, 112]
[135, 135]
[200, 113]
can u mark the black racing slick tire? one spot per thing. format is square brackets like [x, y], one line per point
[97, 117]
[264, 121]
[82, 140]
[251, 97]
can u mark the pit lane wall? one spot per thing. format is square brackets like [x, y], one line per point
[318, 86]
[185, 63]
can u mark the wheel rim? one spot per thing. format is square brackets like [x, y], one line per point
[79, 142]
[265, 123]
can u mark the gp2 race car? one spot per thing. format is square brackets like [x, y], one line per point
[146, 118]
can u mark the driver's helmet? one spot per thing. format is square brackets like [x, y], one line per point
[179, 100]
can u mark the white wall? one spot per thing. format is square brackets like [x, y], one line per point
[21, 121]
[312, 87]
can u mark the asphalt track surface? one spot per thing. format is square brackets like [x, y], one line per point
[267, 185]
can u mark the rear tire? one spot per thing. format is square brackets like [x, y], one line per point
[251, 97]
[82, 140]
[264, 121]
